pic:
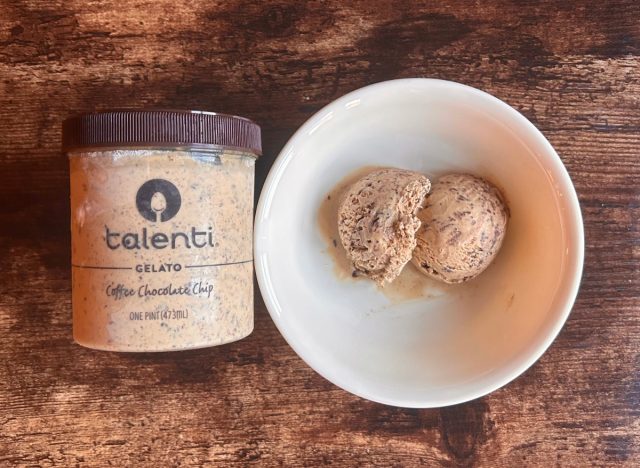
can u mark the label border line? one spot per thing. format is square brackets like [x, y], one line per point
[93, 267]
[218, 264]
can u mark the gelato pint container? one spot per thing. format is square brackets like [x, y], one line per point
[161, 228]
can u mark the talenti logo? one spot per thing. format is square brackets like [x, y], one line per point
[157, 201]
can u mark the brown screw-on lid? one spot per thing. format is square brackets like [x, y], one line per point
[144, 128]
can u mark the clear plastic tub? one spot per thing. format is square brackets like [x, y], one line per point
[161, 235]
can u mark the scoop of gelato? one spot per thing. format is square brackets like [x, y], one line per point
[377, 221]
[464, 221]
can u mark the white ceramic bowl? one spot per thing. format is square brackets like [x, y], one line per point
[463, 342]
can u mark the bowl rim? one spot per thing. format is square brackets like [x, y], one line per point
[573, 215]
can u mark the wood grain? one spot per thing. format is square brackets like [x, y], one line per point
[573, 68]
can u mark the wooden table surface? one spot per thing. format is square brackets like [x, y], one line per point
[573, 68]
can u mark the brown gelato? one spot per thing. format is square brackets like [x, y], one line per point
[377, 221]
[463, 225]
